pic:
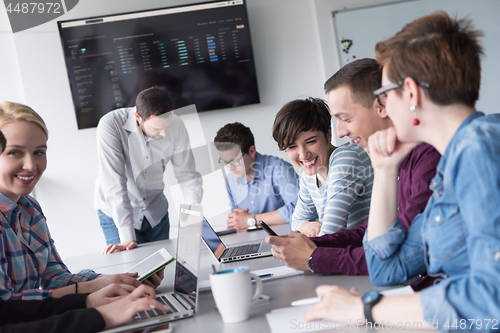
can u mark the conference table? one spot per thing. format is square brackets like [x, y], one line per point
[207, 319]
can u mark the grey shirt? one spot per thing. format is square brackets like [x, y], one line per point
[129, 182]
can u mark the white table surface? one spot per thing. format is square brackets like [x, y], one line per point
[207, 319]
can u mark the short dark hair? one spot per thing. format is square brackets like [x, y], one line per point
[441, 51]
[361, 77]
[153, 101]
[235, 133]
[300, 115]
[3, 142]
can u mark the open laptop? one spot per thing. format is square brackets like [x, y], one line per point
[183, 301]
[235, 253]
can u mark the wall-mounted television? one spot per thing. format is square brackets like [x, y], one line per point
[201, 53]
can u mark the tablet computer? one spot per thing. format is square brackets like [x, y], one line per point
[152, 264]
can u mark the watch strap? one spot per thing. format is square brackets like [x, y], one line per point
[368, 308]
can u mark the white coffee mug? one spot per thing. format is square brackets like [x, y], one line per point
[232, 290]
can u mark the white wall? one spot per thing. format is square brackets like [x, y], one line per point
[288, 61]
[294, 49]
[10, 76]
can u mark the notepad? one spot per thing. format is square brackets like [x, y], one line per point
[269, 274]
[291, 319]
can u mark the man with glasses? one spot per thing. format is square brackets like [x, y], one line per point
[260, 187]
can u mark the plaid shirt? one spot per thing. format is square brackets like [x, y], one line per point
[30, 264]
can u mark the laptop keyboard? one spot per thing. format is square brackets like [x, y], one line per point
[155, 312]
[242, 250]
[181, 300]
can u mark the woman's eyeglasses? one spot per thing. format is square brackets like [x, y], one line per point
[381, 93]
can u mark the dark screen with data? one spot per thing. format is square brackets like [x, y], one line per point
[201, 54]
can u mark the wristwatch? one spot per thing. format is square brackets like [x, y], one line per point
[370, 299]
[251, 221]
[310, 264]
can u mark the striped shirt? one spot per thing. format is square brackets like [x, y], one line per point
[30, 265]
[344, 200]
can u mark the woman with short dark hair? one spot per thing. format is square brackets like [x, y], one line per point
[336, 183]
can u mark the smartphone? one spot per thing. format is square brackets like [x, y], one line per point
[152, 264]
[267, 228]
[226, 232]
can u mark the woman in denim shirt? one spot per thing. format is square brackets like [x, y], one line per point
[430, 84]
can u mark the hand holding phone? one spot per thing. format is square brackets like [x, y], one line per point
[152, 264]
[267, 228]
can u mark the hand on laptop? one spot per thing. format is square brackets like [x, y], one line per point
[154, 280]
[293, 249]
[238, 218]
[119, 312]
[119, 247]
[108, 294]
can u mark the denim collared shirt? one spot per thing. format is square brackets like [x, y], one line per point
[457, 237]
[274, 186]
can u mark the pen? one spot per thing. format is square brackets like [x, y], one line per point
[306, 301]
[266, 275]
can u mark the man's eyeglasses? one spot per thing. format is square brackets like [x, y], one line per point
[381, 93]
[235, 162]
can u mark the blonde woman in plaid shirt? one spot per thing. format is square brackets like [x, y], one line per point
[30, 267]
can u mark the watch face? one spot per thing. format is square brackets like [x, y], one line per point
[251, 222]
[310, 264]
[370, 296]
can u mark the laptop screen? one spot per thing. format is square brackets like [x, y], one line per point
[212, 240]
[188, 250]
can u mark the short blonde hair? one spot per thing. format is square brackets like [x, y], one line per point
[10, 112]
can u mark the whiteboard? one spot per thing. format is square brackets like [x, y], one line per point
[366, 26]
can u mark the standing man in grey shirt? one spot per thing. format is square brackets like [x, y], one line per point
[134, 145]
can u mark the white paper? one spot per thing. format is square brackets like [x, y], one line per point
[398, 291]
[291, 319]
[277, 272]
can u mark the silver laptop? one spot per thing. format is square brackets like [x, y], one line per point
[183, 301]
[235, 253]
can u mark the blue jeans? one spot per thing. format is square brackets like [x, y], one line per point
[145, 235]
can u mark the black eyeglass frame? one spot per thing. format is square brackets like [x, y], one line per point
[235, 162]
[391, 86]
